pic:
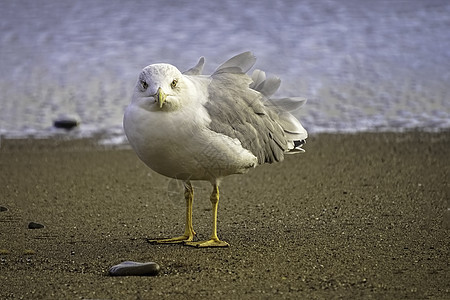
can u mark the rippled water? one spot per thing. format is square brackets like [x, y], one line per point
[363, 65]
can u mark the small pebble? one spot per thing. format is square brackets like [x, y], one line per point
[29, 252]
[132, 268]
[33, 225]
[2, 208]
[65, 123]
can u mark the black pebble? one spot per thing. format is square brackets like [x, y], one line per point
[33, 225]
[66, 124]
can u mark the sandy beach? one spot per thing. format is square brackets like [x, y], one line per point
[361, 216]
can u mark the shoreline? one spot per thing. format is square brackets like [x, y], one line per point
[361, 215]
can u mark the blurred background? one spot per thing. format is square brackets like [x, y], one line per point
[363, 65]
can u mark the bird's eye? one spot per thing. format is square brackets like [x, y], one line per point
[144, 84]
[174, 83]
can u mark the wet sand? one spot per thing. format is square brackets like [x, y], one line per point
[360, 216]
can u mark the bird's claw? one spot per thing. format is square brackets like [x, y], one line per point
[208, 243]
[175, 240]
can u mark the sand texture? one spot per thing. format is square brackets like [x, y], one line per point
[361, 216]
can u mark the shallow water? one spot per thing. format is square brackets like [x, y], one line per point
[363, 65]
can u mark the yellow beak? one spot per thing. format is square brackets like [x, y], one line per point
[160, 97]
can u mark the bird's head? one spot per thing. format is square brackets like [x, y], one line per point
[160, 87]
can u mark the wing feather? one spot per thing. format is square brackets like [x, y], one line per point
[242, 110]
[197, 69]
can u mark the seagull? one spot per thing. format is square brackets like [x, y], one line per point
[190, 126]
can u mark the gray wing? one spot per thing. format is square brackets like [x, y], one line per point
[197, 69]
[245, 113]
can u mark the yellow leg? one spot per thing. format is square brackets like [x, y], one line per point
[214, 240]
[189, 232]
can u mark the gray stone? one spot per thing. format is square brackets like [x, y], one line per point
[132, 268]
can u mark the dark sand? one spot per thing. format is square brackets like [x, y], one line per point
[357, 216]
